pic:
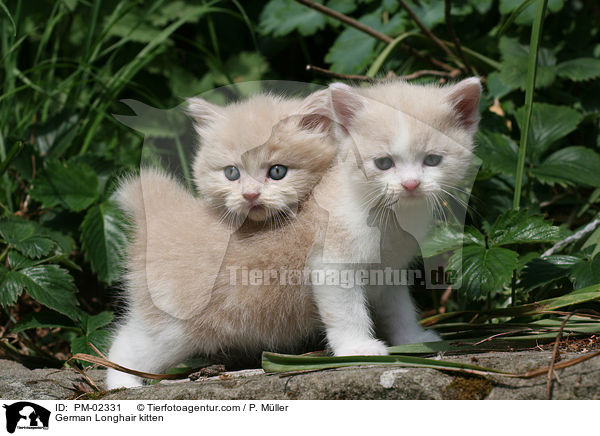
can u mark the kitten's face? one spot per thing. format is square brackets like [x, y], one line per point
[260, 158]
[413, 143]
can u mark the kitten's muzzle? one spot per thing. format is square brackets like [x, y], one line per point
[251, 196]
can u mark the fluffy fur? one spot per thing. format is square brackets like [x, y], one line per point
[377, 217]
[181, 301]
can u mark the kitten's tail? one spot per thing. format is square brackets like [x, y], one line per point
[150, 189]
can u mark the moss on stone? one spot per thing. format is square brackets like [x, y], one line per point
[468, 388]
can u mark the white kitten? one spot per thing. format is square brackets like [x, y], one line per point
[405, 145]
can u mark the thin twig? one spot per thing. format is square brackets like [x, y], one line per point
[576, 236]
[108, 364]
[375, 33]
[422, 73]
[425, 30]
[86, 377]
[501, 334]
[335, 75]
[348, 20]
[448, 9]
[555, 355]
[362, 78]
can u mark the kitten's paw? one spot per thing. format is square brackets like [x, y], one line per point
[369, 347]
[116, 379]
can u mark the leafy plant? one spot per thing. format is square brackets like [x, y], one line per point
[531, 238]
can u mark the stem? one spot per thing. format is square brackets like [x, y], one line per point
[374, 33]
[425, 30]
[448, 15]
[335, 75]
[536, 32]
[346, 19]
[11, 155]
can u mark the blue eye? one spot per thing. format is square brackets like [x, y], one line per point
[232, 173]
[384, 163]
[277, 172]
[432, 160]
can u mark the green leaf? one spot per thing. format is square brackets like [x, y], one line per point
[44, 319]
[99, 338]
[132, 27]
[586, 273]
[103, 240]
[518, 227]
[242, 67]
[544, 270]
[497, 152]
[496, 87]
[75, 187]
[91, 323]
[281, 17]
[593, 241]
[579, 69]
[569, 166]
[447, 238]
[526, 16]
[50, 285]
[22, 236]
[431, 12]
[353, 51]
[11, 286]
[273, 362]
[484, 270]
[549, 123]
[515, 58]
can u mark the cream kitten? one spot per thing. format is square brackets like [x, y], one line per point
[406, 144]
[259, 159]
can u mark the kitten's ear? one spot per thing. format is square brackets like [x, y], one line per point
[202, 111]
[464, 98]
[316, 112]
[345, 102]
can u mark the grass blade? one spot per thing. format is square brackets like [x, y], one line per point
[534, 46]
[512, 17]
[274, 362]
[10, 156]
[584, 295]
[378, 63]
[12, 21]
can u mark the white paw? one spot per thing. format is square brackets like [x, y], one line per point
[368, 347]
[116, 379]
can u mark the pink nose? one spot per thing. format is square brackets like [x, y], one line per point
[411, 185]
[250, 196]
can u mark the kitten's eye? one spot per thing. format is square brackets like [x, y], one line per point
[384, 163]
[432, 160]
[277, 172]
[232, 173]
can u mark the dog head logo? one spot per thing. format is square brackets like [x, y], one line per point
[26, 415]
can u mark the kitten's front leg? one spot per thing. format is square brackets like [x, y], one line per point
[397, 318]
[145, 348]
[347, 320]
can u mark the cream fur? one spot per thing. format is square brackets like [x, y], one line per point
[181, 301]
[373, 219]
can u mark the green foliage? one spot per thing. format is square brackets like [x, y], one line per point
[103, 240]
[68, 65]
